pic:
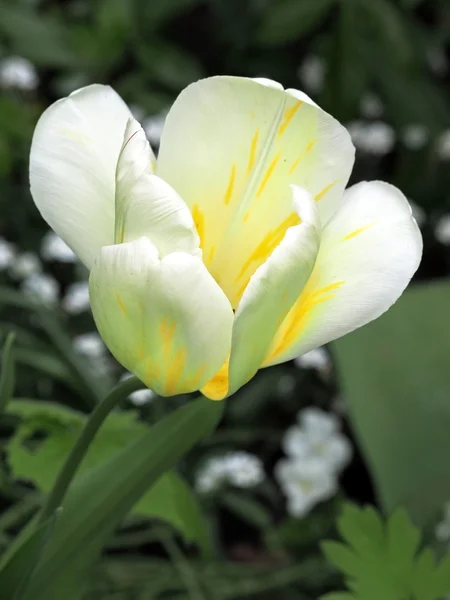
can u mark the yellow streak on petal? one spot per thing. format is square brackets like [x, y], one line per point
[295, 165]
[174, 372]
[269, 243]
[246, 216]
[152, 372]
[192, 382]
[141, 351]
[295, 320]
[121, 303]
[229, 190]
[310, 145]
[167, 334]
[288, 116]
[199, 222]
[267, 175]
[356, 232]
[211, 253]
[327, 188]
[251, 159]
[217, 387]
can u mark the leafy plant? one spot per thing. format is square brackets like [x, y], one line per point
[383, 560]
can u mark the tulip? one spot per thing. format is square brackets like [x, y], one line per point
[237, 248]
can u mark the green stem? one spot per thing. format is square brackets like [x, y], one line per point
[81, 446]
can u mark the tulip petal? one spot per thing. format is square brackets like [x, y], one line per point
[165, 320]
[273, 289]
[145, 204]
[73, 160]
[368, 254]
[231, 147]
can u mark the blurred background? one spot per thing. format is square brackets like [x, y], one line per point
[376, 404]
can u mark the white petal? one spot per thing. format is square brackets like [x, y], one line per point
[73, 160]
[231, 147]
[273, 289]
[368, 254]
[145, 204]
[166, 321]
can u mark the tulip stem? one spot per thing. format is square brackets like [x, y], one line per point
[81, 446]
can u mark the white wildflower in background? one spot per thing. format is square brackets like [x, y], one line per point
[315, 359]
[442, 531]
[212, 475]
[42, 287]
[25, 264]
[17, 72]
[286, 385]
[312, 73]
[240, 469]
[316, 453]
[376, 138]
[371, 106]
[54, 248]
[139, 397]
[245, 470]
[443, 145]
[90, 345]
[318, 437]
[7, 254]
[415, 136]
[305, 483]
[442, 230]
[76, 299]
[153, 127]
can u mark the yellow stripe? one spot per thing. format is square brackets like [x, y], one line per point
[121, 303]
[230, 187]
[310, 145]
[328, 288]
[288, 116]
[199, 222]
[269, 172]
[295, 164]
[356, 232]
[251, 159]
[327, 188]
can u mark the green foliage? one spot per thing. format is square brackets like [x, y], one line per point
[383, 560]
[170, 499]
[395, 377]
[7, 374]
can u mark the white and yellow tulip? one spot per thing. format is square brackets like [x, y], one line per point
[238, 247]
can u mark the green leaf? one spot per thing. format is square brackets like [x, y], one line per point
[394, 374]
[287, 20]
[382, 561]
[41, 38]
[170, 500]
[97, 502]
[16, 573]
[7, 374]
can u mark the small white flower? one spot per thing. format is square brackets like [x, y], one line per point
[153, 127]
[372, 138]
[442, 230]
[415, 136]
[140, 397]
[305, 484]
[312, 73]
[315, 359]
[25, 264]
[76, 299]
[7, 254]
[317, 422]
[371, 106]
[54, 248]
[18, 72]
[244, 470]
[212, 475]
[442, 531]
[443, 145]
[42, 287]
[90, 345]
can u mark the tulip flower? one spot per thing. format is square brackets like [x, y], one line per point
[238, 247]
